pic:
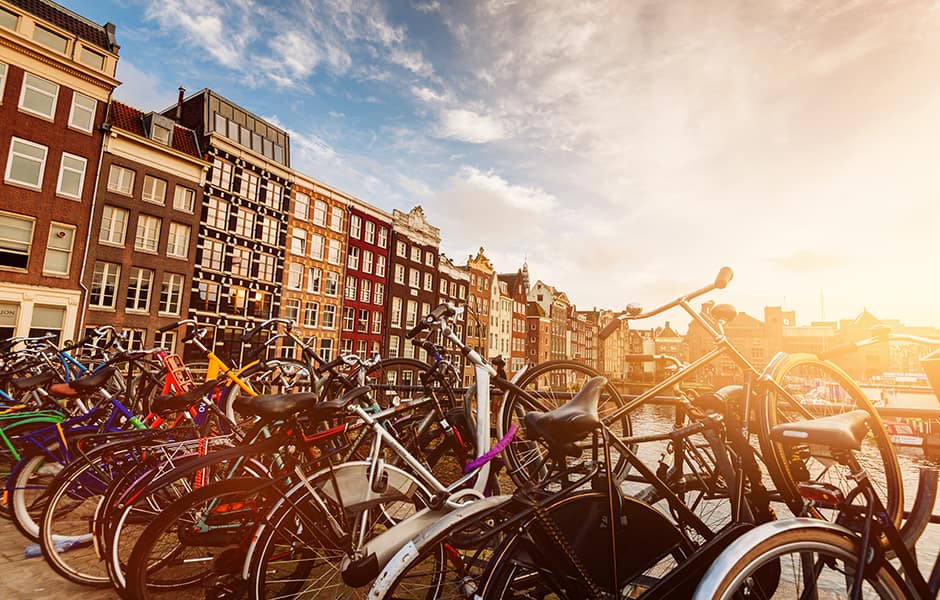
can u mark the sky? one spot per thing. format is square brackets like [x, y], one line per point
[626, 150]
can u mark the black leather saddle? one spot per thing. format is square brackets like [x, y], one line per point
[569, 423]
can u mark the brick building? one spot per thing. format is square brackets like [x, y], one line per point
[452, 287]
[478, 305]
[56, 77]
[144, 226]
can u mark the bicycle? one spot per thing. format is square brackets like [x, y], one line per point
[769, 389]
[847, 558]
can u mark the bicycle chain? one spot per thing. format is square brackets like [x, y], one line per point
[550, 527]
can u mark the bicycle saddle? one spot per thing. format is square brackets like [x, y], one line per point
[276, 406]
[83, 385]
[570, 422]
[24, 383]
[169, 403]
[842, 432]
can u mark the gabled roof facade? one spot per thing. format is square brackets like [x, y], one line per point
[131, 119]
[69, 21]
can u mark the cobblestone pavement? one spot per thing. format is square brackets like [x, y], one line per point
[31, 578]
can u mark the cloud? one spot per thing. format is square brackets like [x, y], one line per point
[142, 89]
[526, 198]
[468, 126]
[808, 260]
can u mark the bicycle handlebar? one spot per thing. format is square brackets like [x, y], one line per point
[172, 326]
[724, 277]
[883, 335]
[440, 312]
[254, 330]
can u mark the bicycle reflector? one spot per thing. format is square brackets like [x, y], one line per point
[824, 495]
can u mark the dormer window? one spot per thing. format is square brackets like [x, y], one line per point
[91, 58]
[160, 128]
[8, 20]
[49, 38]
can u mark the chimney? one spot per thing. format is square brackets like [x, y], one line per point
[179, 104]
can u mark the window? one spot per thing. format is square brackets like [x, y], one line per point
[245, 223]
[266, 267]
[135, 338]
[362, 325]
[443, 286]
[416, 254]
[177, 240]
[298, 241]
[292, 310]
[221, 175]
[241, 262]
[159, 133]
[16, 238]
[301, 206]
[121, 180]
[335, 252]
[184, 199]
[311, 313]
[329, 316]
[332, 284]
[8, 20]
[350, 288]
[393, 343]
[59, 249]
[367, 261]
[82, 113]
[104, 284]
[314, 280]
[379, 294]
[365, 290]
[3, 69]
[411, 317]
[316, 246]
[113, 225]
[352, 259]
[71, 176]
[319, 213]
[38, 96]
[336, 218]
[138, 290]
[401, 249]
[409, 351]
[249, 185]
[51, 39]
[347, 346]
[414, 278]
[396, 312]
[355, 226]
[399, 274]
[383, 237]
[370, 232]
[216, 213]
[269, 230]
[295, 276]
[213, 255]
[462, 292]
[349, 319]
[273, 192]
[165, 339]
[429, 282]
[154, 190]
[206, 298]
[380, 265]
[171, 293]
[376, 322]
[429, 258]
[148, 233]
[26, 163]
[326, 348]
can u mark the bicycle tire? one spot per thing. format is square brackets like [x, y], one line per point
[8, 460]
[790, 464]
[734, 573]
[295, 551]
[552, 383]
[26, 488]
[176, 558]
[530, 564]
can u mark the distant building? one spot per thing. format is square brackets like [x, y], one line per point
[478, 306]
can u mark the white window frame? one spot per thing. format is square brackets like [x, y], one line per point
[71, 169]
[82, 105]
[314, 280]
[30, 86]
[137, 296]
[311, 314]
[151, 190]
[428, 282]
[349, 318]
[378, 293]
[352, 258]
[329, 318]
[332, 284]
[383, 237]
[106, 275]
[368, 259]
[213, 255]
[8, 241]
[396, 311]
[380, 265]
[117, 180]
[295, 276]
[105, 235]
[50, 248]
[180, 195]
[3, 79]
[319, 213]
[317, 246]
[376, 321]
[169, 287]
[334, 252]
[267, 265]
[174, 248]
[365, 290]
[350, 288]
[355, 226]
[337, 218]
[301, 201]
[298, 241]
[370, 232]
[147, 237]
[14, 154]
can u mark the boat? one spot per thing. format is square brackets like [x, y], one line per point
[903, 434]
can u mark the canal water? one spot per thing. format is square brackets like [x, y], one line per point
[651, 418]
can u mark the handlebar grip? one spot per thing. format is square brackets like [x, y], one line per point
[421, 326]
[169, 327]
[839, 350]
[251, 332]
[610, 328]
[724, 278]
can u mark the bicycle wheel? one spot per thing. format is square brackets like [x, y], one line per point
[186, 548]
[534, 563]
[551, 384]
[298, 552]
[812, 563]
[11, 452]
[812, 388]
[26, 489]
